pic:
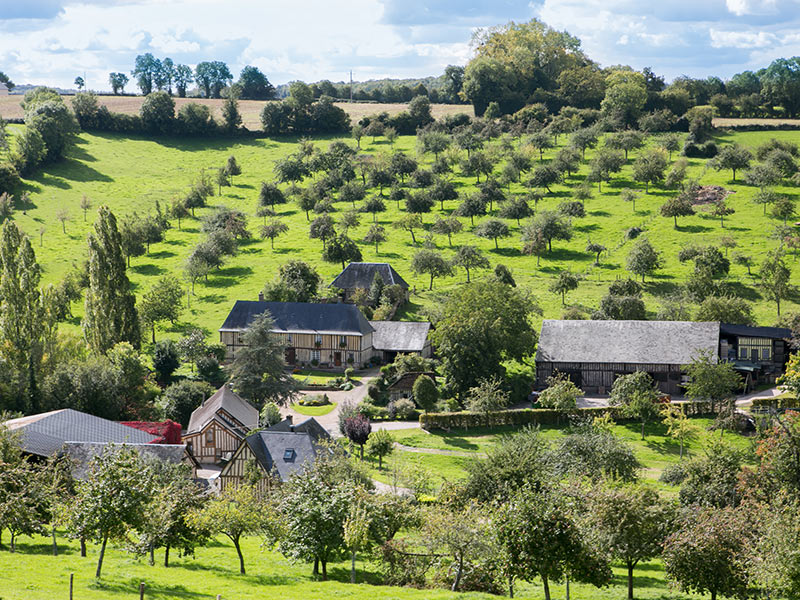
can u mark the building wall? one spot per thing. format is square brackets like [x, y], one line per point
[598, 378]
[234, 472]
[305, 346]
[210, 444]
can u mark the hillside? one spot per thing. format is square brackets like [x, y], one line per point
[130, 174]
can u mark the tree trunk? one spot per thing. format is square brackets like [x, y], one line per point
[324, 569]
[152, 559]
[362, 451]
[642, 430]
[353, 567]
[713, 594]
[630, 581]
[100, 558]
[166, 556]
[510, 586]
[676, 220]
[55, 545]
[430, 287]
[681, 455]
[241, 558]
[13, 547]
[413, 237]
[153, 329]
[315, 570]
[495, 244]
[83, 548]
[546, 585]
[467, 270]
[457, 580]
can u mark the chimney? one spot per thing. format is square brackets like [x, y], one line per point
[260, 296]
[288, 418]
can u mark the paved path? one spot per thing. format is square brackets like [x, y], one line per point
[394, 425]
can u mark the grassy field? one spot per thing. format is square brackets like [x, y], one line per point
[32, 573]
[314, 411]
[656, 452]
[250, 109]
[131, 174]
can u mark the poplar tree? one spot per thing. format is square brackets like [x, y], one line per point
[21, 315]
[110, 308]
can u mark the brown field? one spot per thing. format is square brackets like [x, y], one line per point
[250, 109]
[720, 122]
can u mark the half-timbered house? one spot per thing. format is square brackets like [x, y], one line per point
[217, 427]
[275, 452]
[330, 335]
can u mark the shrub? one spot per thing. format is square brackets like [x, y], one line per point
[270, 415]
[314, 400]
[9, 178]
[348, 373]
[782, 402]
[403, 409]
[371, 411]
[633, 233]
[208, 369]
[673, 474]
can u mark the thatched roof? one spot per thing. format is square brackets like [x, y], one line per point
[636, 342]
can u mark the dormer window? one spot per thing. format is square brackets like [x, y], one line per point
[288, 455]
[318, 339]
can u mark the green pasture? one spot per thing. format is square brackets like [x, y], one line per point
[32, 573]
[131, 173]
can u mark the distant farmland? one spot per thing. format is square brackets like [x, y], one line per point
[250, 109]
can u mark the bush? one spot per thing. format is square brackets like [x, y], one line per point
[633, 233]
[196, 119]
[673, 474]
[782, 402]
[348, 373]
[402, 409]
[208, 369]
[314, 400]
[158, 112]
[181, 398]
[707, 150]
[166, 359]
[9, 178]
[371, 411]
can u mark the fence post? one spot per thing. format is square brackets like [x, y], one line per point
[71, 577]
[141, 591]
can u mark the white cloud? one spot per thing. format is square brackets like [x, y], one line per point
[742, 39]
[751, 7]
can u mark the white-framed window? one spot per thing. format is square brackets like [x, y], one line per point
[343, 340]
[315, 355]
[210, 436]
[318, 339]
[289, 339]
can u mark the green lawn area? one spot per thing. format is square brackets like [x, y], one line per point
[314, 411]
[32, 573]
[318, 377]
[131, 173]
[656, 452]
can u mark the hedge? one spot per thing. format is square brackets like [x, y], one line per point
[782, 402]
[534, 416]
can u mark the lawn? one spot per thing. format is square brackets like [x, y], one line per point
[317, 377]
[131, 173]
[314, 411]
[656, 452]
[32, 573]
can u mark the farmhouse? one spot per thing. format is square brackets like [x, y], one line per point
[594, 353]
[760, 354]
[395, 337]
[333, 335]
[217, 427]
[360, 275]
[276, 452]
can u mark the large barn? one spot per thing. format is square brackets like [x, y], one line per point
[594, 353]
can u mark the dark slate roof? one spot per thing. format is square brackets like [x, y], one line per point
[776, 333]
[46, 433]
[300, 317]
[224, 399]
[637, 342]
[400, 336]
[82, 454]
[284, 449]
[361, 274]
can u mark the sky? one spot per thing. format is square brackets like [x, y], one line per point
[53, 41]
